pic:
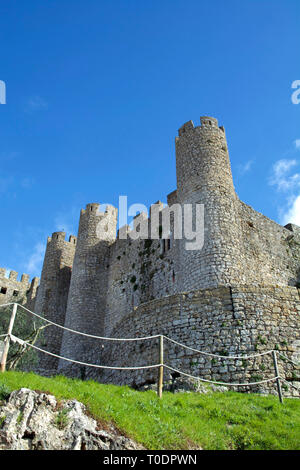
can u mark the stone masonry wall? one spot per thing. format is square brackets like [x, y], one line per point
[204, 177]
[270, 253]
[111, 286]
[12, 290]
[139, 271]
[86, 306]
[52, 295]
[227, 321]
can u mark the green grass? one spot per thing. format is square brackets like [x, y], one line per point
[62, 419]
[179, 421]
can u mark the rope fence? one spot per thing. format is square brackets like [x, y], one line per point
[217, 355]
[9, 337]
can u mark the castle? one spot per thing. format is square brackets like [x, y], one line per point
[238, 293]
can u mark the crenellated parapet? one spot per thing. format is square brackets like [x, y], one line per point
[52, 294]
[202, 160]
[13, 289]
[207, 123]
[87, 298]
[60, 237]
[95, 226]
[204, 177]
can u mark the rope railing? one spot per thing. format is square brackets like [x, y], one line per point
[15, 339]
[104, 338]
[217, 355]
[160, 366]
[20, 341]
[227, 384]
[86, 334]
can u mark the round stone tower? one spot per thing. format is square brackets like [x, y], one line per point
[88, 290]
[52, 294]
[204, 177]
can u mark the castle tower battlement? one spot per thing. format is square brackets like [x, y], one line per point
[89, 283]
[58, 237]
[95, 226]
[52, 295]
[204, 177]
[11, 289]
[202, 158]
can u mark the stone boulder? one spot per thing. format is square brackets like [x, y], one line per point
[31, 420]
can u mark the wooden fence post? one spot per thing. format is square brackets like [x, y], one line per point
[277, 375]
[7, 339]
[161, 367]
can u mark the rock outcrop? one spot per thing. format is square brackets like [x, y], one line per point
[31, 420]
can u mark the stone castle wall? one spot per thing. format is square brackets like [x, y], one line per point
[53, 292]
[204, 177]
[270, 253]
[86, 305]
[217, 298]
[234, 320]
[12, 290]
[139, 270]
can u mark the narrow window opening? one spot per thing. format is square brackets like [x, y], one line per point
[15, 293]
[3, 290]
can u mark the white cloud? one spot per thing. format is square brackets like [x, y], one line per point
[292, 214]
[297, 144]
[286, 179]
[280, 175]
[35, 103]
[246, 167]
[35, 261]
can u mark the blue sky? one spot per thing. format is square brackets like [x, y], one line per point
[97, 90]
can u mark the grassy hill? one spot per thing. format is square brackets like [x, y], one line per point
[227, 420]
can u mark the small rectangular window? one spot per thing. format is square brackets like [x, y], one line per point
[15, 293]
[3, 290]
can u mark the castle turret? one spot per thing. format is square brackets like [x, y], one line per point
[87, 298]
[204, 177]
[52, 294]
[12, 290]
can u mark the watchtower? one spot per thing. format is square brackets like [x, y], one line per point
[52, 294]
[88, 290]
[204, 177]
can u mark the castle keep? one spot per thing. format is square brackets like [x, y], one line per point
[237, 294]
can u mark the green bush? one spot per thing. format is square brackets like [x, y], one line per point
[24, 327]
